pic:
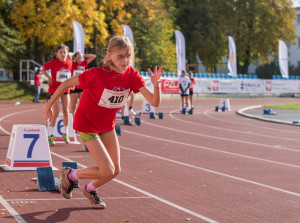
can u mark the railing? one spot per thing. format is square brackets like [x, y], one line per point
[29, 72]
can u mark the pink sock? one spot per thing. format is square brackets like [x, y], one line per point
[73, 176]
[90, 187]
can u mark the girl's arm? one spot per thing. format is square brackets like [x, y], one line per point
[44, 72]
[89, 57]
[155, 97]
[73, 81]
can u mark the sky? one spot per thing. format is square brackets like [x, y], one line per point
[296, 3]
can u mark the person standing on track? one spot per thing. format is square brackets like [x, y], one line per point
[106, 89]
[184, 84]
[37, 85]
[60, 71]
[191, 89]
[77, 68]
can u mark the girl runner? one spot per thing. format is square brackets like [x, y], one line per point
[60, 71]
[78, 68]
[106, 89]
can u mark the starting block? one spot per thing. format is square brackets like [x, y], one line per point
[137, 121]
[85, 149]
[28, 148]
[152, 115]
[126, 120]
[46, 179]
[73, 165]
[160, 115]
[183, 111]
[118, 130]
[58, 136]
[190, 112]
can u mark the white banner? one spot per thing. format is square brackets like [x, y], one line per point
[78, 43]
[250, 85]
[283, 59]
[180, 51]
[128, 33]
[206, 85]
[232, 57]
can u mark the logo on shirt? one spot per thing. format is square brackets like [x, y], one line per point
[118, 89]
[63, 73]
[80, 68]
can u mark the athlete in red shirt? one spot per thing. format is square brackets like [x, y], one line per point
[106, 89]
[192, 84]
[78, 67]
[60, 71]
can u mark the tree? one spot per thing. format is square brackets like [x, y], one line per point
[49, 23]
[11, 46]
[153, 28]
[203, 26]
[255, 25]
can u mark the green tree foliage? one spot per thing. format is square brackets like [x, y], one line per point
[49, 23]
[10, 43]
[255, 25]
[203, 26]
[152, 24]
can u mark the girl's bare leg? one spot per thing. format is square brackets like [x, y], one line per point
[73, 101]
[55, 113]
[65, 107]
[106, 153]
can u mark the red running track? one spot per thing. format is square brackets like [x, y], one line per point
[206, 167]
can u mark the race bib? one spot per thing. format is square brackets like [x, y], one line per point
[61, 76]
[113, 99]
[77, 72]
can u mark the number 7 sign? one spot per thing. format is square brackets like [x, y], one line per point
[28, 148]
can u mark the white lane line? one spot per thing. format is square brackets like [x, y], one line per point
[166, 202]
[221, 138]
[211, 149]
[12, 211]
[231, 130]
[12, 114]
[245, 124]
[148, 194]
[215, 172]
[63, 199]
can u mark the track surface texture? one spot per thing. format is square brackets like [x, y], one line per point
[206, 167]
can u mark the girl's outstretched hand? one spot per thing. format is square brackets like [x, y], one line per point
[47, 113]
[156, 75]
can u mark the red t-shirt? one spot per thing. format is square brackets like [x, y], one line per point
[60, 71]
[37, 79]
[105, 91]
[78, 69]
[193, 82]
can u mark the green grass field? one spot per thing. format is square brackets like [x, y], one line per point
[288, 106]
[10, 91]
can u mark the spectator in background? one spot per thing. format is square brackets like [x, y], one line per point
[192, 83]
[37, 84]
[184, 85]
